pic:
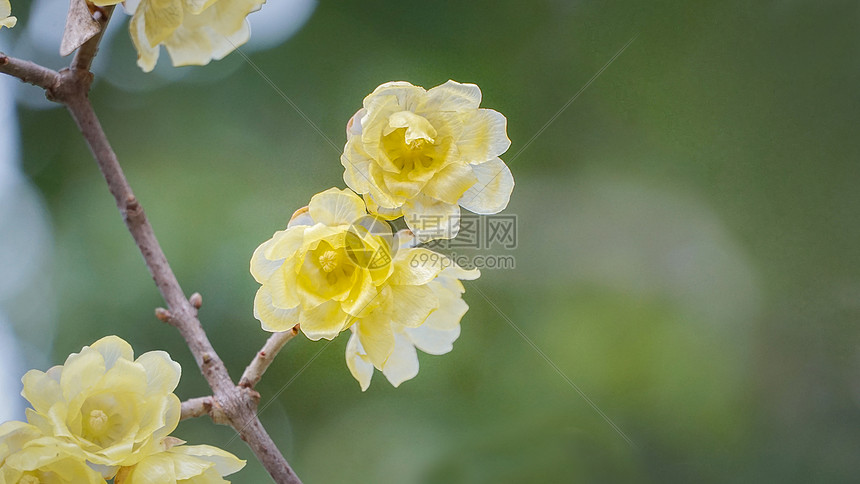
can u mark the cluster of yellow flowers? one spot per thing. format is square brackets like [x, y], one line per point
[105, 415]
[338, 266]
[6, 20]
[193, 31]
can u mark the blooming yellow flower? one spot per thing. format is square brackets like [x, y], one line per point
[182, 464]
[326, 269]
[193, 31]
[114, 408]
[5, 12]
[27, 457]
[422, 154]
[389, 344]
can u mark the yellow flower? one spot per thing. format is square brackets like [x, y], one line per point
[193, 31]
[27, 457]
[385, 342]
[114, 408]
[182, 464]
[5, 12]
[422, 154]
[324, 270]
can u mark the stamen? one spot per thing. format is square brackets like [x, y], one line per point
[328, 261]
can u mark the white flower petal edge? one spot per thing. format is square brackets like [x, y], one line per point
[5, 12]
[435, 335]
[194, 32]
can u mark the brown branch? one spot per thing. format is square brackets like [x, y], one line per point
[29, 72]
[238, 404]
[196, 407]
[87, 52]
[231, 404]
[266, 356]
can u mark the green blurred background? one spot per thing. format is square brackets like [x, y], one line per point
[688, 238]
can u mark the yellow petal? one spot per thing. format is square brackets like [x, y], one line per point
[162, 373]
[492, 192]
[41, 390]
[324, 321]
[410, 305]
[81, 371]
[377, 338]
[147, 55]
[224, 462]
[417, 266]
[453, 96]
[450, 183]
[161, 18]
[336, 207]
[484, 136]
[402, 364]
[360, 368]
[113, 348]
[274, 319]
[429, 218]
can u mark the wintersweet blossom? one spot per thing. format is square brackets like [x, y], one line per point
[435, 335]
[28, 457]
[422, 154]
[193, 31]
[114, 408]
[6, 20]
[182, 464]
[326, 269]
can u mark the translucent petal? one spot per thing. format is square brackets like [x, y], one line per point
[453, 96]
[225, 462]
[336, 207]
[402, 365]
[410, 270]
[429, 218]
[377, 338]
[324, 321]
[483, 136]
[361, 369]
[273, 319]
[162, 373]
[433, 341]
[450, 183]
[113, 348]
[410, 305]
[492, 192]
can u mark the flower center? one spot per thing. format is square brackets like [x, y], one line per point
[328, 261]
[98, 421]
[29, 479]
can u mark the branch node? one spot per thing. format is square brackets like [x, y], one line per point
[207, 358]
[163, 315]
[196, 300]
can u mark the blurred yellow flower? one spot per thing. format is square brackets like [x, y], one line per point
[324, 270]
[182, 464]
[193, 31]
[385, 342]
[114, 408]
[5, 12]
[422, 154]
[27, 457]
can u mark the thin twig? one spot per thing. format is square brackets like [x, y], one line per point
[29, 72]
[265, 356]
[230, 404]
[196, 407]
[87, 52]
[238, 404]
